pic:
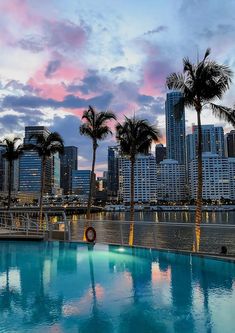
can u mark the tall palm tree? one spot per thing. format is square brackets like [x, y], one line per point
[201, 84]
[11, 154]
[135, 136]
[45, 147]
[96, 128]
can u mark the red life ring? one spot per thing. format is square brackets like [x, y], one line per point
[90, 234]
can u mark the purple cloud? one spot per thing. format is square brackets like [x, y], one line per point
[161, 28]
[69, 102]
[52, 67]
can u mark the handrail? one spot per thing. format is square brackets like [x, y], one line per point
[160, 223]
[20, 222]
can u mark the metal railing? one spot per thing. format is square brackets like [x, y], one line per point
[28, 224]
[164, 235]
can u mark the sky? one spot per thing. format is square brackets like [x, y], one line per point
[59, 56]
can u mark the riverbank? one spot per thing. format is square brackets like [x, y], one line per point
[159, 208]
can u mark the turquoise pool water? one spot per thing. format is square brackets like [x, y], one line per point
[62, 287]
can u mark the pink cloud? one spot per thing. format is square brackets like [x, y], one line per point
[20, 12]
[54, 87]
[155, 70]
[155, 73]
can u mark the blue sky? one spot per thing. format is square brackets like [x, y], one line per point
[59, 56]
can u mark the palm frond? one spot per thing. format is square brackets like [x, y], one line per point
[135, 136]
[95, 125]
[12, 151]
[86, 130]
[175, 81]
[207, 53]
[103, 117]
[224, 113]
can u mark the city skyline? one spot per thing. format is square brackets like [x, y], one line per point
[75, 55]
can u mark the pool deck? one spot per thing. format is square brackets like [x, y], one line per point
[5, 234]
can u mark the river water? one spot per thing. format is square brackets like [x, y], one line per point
[187, 217]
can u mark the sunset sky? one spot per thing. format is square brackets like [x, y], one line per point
[59, 56]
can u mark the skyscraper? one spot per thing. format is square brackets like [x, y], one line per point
[81, 182]
[217, 174]
[230, 144]
[69, 162]
[55, 173]
[30, 166]
[171, 181]
[2, 167]
[112, 181]
[144, 180]
[175, 129]
[160, 153]
[212, 141]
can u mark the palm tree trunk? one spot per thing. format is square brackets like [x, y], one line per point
[198, 217]
[42, 189]
[91, 189]
[9, 183]
[132, 203]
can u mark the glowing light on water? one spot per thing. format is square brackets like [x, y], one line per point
[121, 249]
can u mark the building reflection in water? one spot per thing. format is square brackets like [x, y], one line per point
[71, 287]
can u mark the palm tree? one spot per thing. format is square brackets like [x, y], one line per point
[96, 128]
[201, 84]
[11, 154]
[135, 137]
[45, 147]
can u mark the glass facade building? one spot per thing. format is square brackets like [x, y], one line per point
[160, 153]
[212, 141]
[30, 166]
[175, 129]
[55, 173]
[81, 182]
[230, 144]
[69, 162]
[113, 181]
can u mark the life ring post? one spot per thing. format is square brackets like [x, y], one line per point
[90, 235]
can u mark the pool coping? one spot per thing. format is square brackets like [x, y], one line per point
[228, 258]
[206, 255]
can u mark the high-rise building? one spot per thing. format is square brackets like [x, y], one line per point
[69, 162]
[231, 165]
[2, 167]
[216, 177]
[30, 164]
[230, 144]
[175, 128]
[81, 182]
[55, 174]
[160, 153]
[144, 179]
[112, 181]
[171, 183]
[212, 141]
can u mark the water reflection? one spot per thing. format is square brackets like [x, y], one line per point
[225, 217]
[79, 288]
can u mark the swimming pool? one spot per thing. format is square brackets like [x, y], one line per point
[70, 287]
